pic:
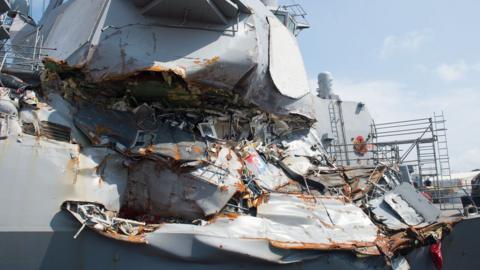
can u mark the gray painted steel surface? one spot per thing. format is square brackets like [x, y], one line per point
[236, 46]
[111, 39]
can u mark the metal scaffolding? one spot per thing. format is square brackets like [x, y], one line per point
[415, 141]
[391, 143]
[420, 144]
[423, 144]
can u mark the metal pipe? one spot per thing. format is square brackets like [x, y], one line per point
[401, 130]
[25, 46]
[405, 125]
[402, 134]
[406, 121]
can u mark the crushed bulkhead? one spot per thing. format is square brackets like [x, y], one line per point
[206, 154]
[236, 179]
[233, 179]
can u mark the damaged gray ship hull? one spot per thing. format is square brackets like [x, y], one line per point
[37, 234]
[43, 239]
[177, 134]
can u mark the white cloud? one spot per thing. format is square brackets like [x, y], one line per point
[421, 68]
[411, 41]
[469, 158]
[476, 67]
[453, 72]
[391, 101]
[384, 98]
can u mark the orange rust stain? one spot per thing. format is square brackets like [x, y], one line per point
[142, 151]
[211, 61]
[176, 151]
[61, 63]
[260, 200]
[306, 198]
[197, 149]
[224, 188]
[157, 68]
[135, 239]
[42, 105]
[54, 60]
[180, 71]
[240, 187]
[313, 199]
[388, 245]
[230, 216]
[316, 246]
[147, 151]
[101, 130]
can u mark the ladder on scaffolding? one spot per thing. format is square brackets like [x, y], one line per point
[427, 158]
[335, 148]
[443, 154]
[376, 151]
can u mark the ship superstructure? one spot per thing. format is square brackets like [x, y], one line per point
[176, 133]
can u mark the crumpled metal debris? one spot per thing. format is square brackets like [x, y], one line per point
[229, 177]
[190, 190]
[107, 223]
[267, 175]
[404, 207]
[138, 136]
[10, 102]
[194, 154]
[201, 174]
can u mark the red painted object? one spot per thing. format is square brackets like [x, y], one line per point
[436, 253]
[360, 146]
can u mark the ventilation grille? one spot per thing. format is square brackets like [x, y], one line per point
[49, 130]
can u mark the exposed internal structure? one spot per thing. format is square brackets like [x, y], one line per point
[197, 139]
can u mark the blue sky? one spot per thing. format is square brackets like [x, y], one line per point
[404, 59]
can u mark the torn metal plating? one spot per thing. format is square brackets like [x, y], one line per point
[105, 222]
[207, 148]
[149, 173]
[267, 180]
